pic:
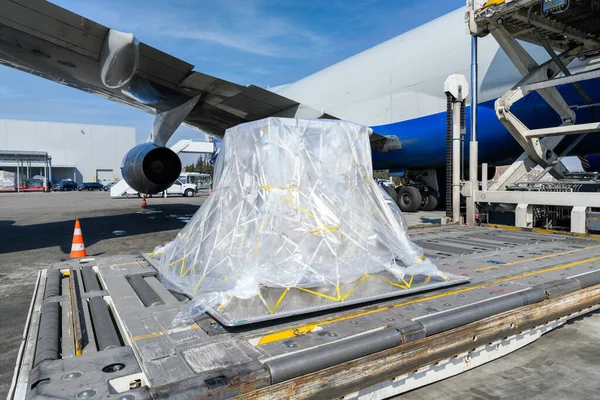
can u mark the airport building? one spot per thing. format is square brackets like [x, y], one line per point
[81, 152]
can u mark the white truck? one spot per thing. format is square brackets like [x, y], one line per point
[178, 188]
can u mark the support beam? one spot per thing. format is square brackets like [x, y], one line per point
[524, 216]
[532, 72]
[566, 199]
[578, 219]
[564, 130]
[167, 122]
[563, 80]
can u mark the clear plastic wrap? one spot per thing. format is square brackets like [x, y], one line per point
[294, 204]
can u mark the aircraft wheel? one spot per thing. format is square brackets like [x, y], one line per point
[432, 200]
[409, 199]
[392, 192]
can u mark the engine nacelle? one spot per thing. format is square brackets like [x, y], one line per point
[150, 169]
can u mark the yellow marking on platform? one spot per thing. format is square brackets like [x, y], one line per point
[289, 333]
[121, 264]
[162, 333]
[542, 231]
[148, 335]
[536, 258]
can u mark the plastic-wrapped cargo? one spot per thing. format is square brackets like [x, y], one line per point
[294, 204]
[7, 180]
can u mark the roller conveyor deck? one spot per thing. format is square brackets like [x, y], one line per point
[102, 328]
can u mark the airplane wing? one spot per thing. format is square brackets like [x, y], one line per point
[46, 40]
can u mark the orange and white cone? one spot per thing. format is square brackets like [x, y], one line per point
[144, 204]
[77, 248]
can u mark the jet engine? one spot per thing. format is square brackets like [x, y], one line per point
[150, 169]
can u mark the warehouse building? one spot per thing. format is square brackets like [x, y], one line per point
[81, 152]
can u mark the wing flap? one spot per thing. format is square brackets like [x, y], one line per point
[66, 17]
[251, 105]
[200, 82]
[162, 66]
[268, 97]
[85, 38]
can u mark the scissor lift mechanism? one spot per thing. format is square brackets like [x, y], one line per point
[570, 30]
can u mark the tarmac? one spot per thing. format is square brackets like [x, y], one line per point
[36, 230]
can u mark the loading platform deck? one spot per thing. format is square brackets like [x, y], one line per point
[101, 328]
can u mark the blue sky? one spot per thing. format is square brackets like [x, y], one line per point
[263, 42]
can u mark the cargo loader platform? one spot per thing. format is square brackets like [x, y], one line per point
[101, 328]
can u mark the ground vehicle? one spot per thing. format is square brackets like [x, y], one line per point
[65, 185]
[178, 188]
[202, 181]
[184, 189]
[108, 186]
[90, 186]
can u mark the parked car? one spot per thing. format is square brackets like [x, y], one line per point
[90, 186]
[108, 186]
[64, 185]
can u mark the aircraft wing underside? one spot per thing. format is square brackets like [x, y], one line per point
[43, 39]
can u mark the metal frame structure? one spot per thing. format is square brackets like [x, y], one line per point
[24, 161]
[573, 37]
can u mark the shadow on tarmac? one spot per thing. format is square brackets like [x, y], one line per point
[15, 238]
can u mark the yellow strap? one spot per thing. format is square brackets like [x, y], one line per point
[365, 276]
[280, 300]
[492, 3]
[319, 294]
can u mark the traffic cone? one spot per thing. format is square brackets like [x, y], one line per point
[143, 201]
[77, 247]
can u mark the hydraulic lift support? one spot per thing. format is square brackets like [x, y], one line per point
[457, 90]
[565, 27]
